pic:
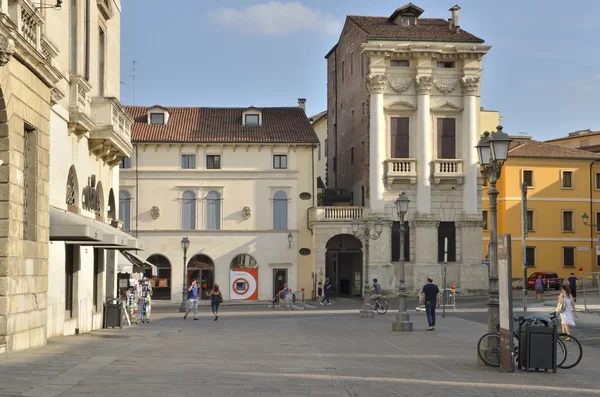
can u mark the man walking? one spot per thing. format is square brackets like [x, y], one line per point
[326, 289]
[573, 286]
[192, 300]
[429, 294]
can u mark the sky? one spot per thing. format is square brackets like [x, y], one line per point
[542, 73]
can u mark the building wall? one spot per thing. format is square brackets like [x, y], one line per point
[246, 179]
[320, 128]
[547, 199]
[578, 142]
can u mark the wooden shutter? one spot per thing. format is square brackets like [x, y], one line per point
[446, 131]
[399, 143]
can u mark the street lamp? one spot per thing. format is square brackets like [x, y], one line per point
[492, 150]
[402, 322]
[290, 239]
[366, 311]
[185, 244]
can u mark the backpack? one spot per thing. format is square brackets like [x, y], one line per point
[320, 291]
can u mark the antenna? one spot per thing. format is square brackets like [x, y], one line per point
[134, 82]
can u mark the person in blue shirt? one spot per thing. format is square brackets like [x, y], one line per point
[192, 300]
[429, 294]
[573, 286]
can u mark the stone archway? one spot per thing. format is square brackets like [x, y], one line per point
[201, 267]
[344, 264]
[162, 283]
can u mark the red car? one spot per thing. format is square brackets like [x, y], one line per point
[551, 280]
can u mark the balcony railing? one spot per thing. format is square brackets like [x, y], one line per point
[337, 214]
[401, 170]
[27, 19]
[447, 169]
[79, 105]
[111, 136]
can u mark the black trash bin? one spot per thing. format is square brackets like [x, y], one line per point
[113, 313]
[538, 346]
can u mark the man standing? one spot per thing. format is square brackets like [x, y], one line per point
[573, 286]
[192, 300]
[430, 295]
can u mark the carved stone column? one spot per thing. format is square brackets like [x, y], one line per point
[376, 85]
[423, 85]
[470, 137]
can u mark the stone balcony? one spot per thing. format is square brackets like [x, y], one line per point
[110, 137]
[336, 214]
[447, 169]
[80, 121]
[401, 170]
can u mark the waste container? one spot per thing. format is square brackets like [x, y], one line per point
[113, 313]
[538, 346]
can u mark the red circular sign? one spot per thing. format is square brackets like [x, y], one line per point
[581, 269]
[204, 285]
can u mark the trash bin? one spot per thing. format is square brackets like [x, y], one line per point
[538, 346]
[113, 313]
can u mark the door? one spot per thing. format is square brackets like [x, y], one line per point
[279, 280]
[206, 282]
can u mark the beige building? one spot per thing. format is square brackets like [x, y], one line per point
[237, 182]
[404, 115]
[60, 84]
[583, 139]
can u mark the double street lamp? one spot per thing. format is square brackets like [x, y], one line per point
[366, 311]
[402, 322]
[492, 150]
[185, 244]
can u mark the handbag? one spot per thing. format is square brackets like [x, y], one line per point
[561, 306]
[220, 298]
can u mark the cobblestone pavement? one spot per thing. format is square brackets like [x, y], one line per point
[322, 353]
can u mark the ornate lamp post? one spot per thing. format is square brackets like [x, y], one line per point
[366, 311]
[492, 150]
[185, 244]
[290, 239]
[402, 322]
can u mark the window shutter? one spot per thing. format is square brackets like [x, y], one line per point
[399, 144]
[446, 138]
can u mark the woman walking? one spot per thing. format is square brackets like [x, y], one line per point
[566, 308]
[215, 300]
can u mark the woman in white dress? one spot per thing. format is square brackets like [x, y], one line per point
[566, 317]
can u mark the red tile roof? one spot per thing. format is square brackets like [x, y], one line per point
[223, 125]
[531, 148]
[426, 29]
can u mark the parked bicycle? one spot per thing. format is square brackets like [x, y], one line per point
[380, 306]
[568, 355]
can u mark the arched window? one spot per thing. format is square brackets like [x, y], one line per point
[188, 213]
[125, 209]
[213, 211]
[280, 211]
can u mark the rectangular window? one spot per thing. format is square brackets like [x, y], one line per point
[446, 132]
[567, 179]
[484, 218]
[569, 256]
[445, 65]
[87, 40]
[530, 256]
[396, 237]
[362, 64]
[157, 118]
[101, 55]
[69, 278]
[213, 162]
[352, 63]
[400, 63]
[252, 119]
[125, 163]
[527, 177]
[352, 155]
[567, 221]
[280, 161]
[98, 259]
[597, 222]
[447, 230]
[399, 141]
[530, 227]
[188, 161]
[597, 177]
[343, 70]
[74, 36]
[29, 183]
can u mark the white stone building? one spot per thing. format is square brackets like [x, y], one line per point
[237, 182]
[404, 115]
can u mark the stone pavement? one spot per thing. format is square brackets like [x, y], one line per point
[318, 353]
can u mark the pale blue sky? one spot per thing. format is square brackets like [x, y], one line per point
[543, 72]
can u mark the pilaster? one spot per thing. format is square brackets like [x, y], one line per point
[470, 138]
[376, 85]
[423, 86]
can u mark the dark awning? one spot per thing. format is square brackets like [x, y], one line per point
[65, 226]
[139, 265]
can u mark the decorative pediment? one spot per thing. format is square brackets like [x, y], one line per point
[400, 105]
[106, 8]
[447, 107]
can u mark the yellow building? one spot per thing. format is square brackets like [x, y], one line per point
[563, 184]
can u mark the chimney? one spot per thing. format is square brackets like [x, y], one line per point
[454, 26]
[302, 104]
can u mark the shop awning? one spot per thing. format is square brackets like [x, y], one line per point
[66, 226]
[139, 265]
[112, 238]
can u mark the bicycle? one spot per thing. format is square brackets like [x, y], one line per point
[380, 306]
[488, 347]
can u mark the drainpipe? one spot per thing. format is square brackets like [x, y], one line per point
[312, 233]
[592, 215]
[137, 189]
[336, 119]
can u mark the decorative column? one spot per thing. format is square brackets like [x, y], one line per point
[470, 138]
[376, 85]
[423, 85]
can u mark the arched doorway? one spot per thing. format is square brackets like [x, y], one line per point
[343, 265]
[161, 284]
[243, 273]
[201, 268]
